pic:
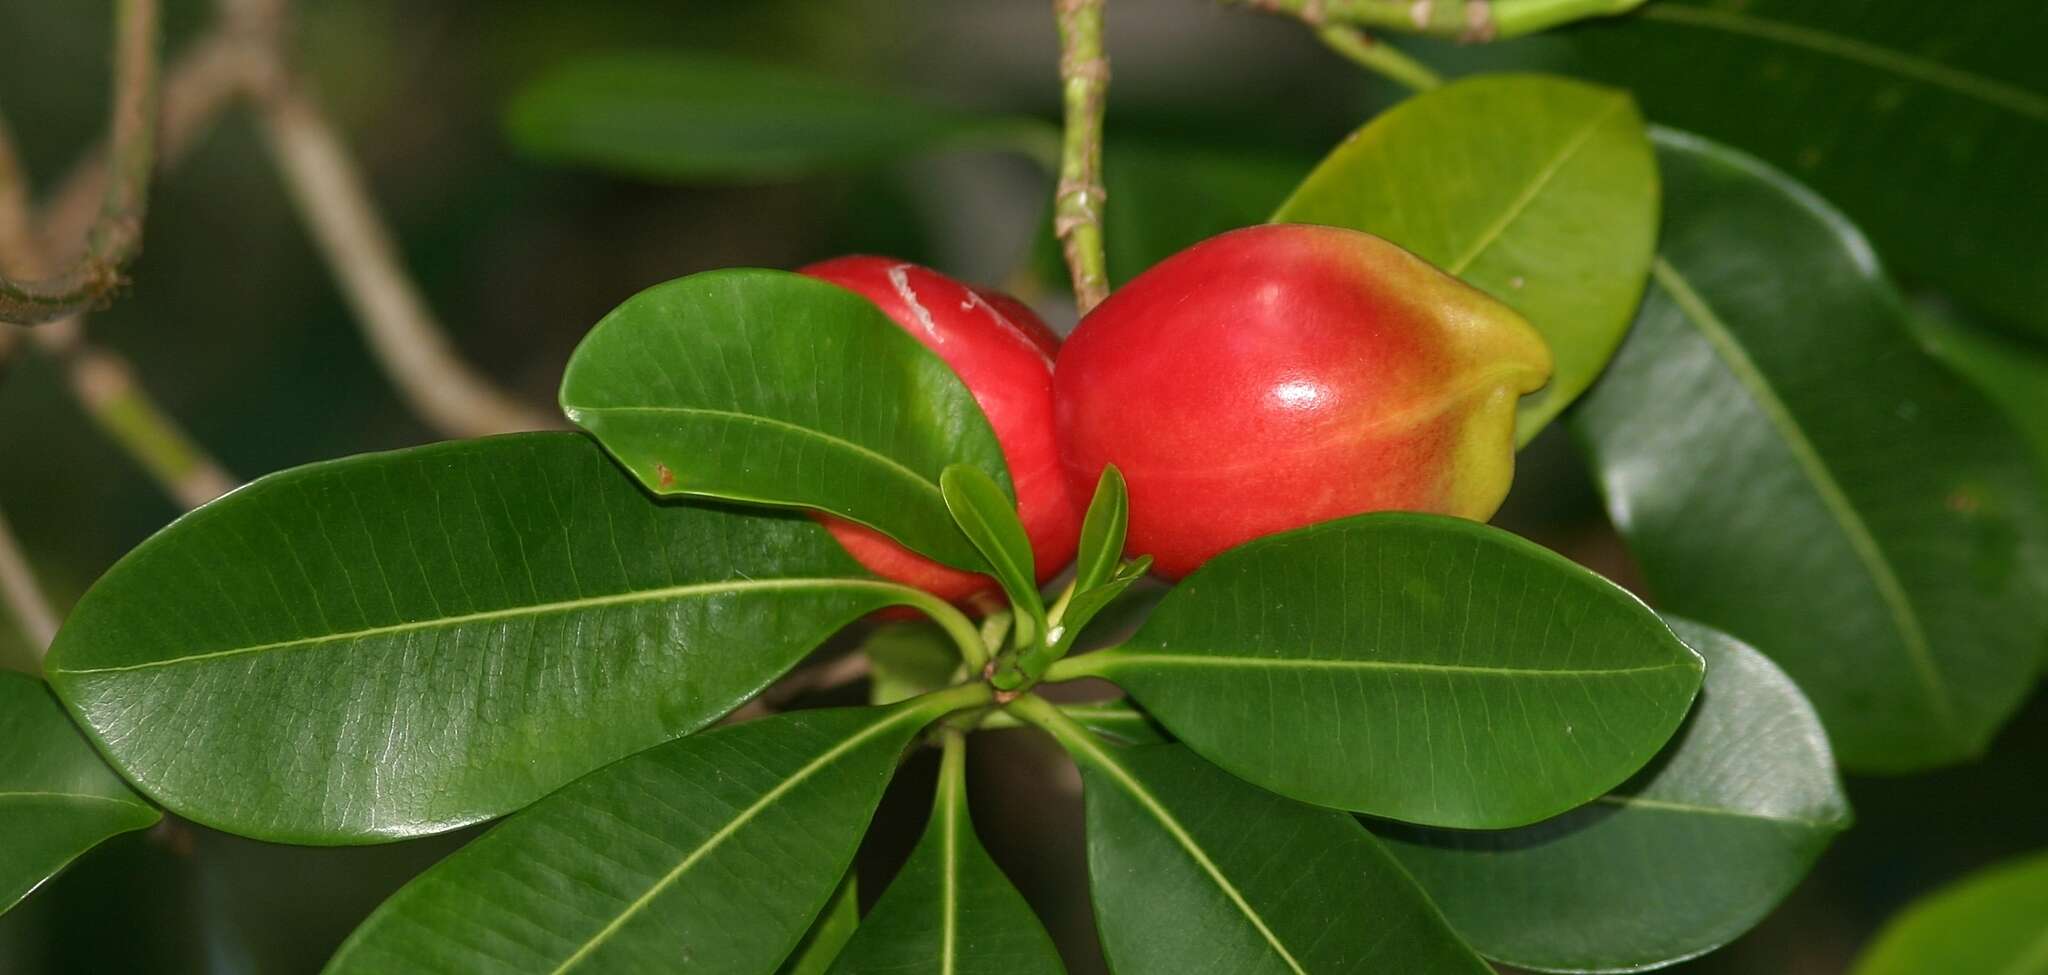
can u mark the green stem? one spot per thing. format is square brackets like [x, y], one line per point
[1085, 665]
[953, 699]
[117, 233]
[1079, 742]
[1003, 720]
[995, 629]
[956, 624]
[1462, 20]
[1516, 18]
[1379, 57]
[1077, 204]
[952, 766]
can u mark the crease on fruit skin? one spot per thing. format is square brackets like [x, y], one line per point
[975, 299]
[899, 278]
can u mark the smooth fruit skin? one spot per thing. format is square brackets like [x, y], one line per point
[1004, 353]
[1281, 375]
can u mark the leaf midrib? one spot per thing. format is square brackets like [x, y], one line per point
[726, 832]
[1970, 84]
[69, 797]
[1136, 790]
[950, 879]
[515, 612]
[1695, 809]
[1107, 660]
[1493, 232]
[924, 485]
[1912, 633]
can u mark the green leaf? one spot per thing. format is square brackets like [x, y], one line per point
[829, 933]
[401, 643]
[1539, 191]
[950, 909]
[1987, 924]
[1102, 531]
[988, 518]
[1417, 667]
[694, 117]
[1926, 122]
[774, 388]
[57, 798]
[1736, 810]
[714, 852]
[908, 659]
[1194, 870]
[2013, 374]
[1788, 466]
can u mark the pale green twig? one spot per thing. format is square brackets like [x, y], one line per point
[1077, 207]
[1464, 20]
[1379, 57]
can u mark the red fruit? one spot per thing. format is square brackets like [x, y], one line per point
[1004, 354]
[1277, 376]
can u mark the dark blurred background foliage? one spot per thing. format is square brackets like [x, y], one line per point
[238, 328]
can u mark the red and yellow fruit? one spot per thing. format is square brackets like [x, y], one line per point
[1004, 354]
[1281, 375]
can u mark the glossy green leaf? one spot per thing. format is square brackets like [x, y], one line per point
[1994, 922]
[775, 388]
[1540, 191]
[401, 643]
[713, 853]
[695, 117]
[2013, 374]
[1789, 467]
[1926, 122]
[1682, 859]
[907, 659]
[1417, 667]
[57, 798]
[1102, 531]
[950, 910]
[1373, 662]
[1193, 870]
[829, 933]
[988, 518]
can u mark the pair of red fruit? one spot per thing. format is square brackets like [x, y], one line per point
[1262, 380]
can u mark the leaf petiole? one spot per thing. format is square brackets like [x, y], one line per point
[956, 624]
[1077, 740]
[1075, 668]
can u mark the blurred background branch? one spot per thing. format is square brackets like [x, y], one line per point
[24, 598]
[336, 207]
[116, 234]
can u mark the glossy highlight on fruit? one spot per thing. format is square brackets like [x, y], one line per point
[1281, 375]
[1004, 354]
